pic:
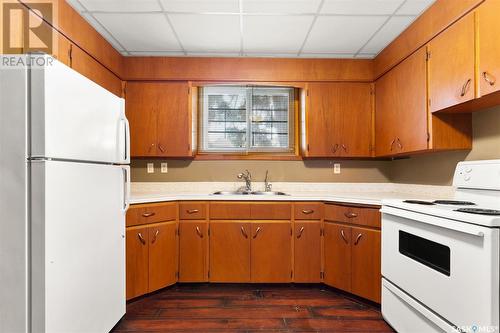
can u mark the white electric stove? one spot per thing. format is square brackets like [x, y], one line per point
[441, 258]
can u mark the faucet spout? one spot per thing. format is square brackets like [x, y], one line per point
[247, 176]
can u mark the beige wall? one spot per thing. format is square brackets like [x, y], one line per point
[292, 171]
[435, 169]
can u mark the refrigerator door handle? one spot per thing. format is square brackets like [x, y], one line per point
[126, 152]
[124, 141]
[126, 187]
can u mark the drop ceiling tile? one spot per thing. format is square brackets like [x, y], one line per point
[140, 32]
[157, 54]
[102, 31]
[270, 55]
[121, 5]
[360, 7]
[201, 6]
[328, 55]
[341, 34]
[414, 7]
[275, 33]
[281, 6]
[207, 32]
[213, 54]
[392, 29]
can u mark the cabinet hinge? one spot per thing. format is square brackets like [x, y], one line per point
[291, 232]
[321, 275]
[372, 91]
[321, 232]
[208, 274]
[178, 231]
[208, 232]
[189, 90]
[429, 102]
[427, 55]
[291, 274]
[428, 136]
[307, 147]
[307, 92]
[177, 275]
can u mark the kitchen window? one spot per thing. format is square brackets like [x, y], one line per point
[247, 119]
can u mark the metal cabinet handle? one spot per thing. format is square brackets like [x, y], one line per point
[154, 237]
[358, 239]
[345, 148]
[335, 148]
[161, 148]
[198, 231]
[243, 232]
[343, 236]
[143, 241]
[392, 144]
[300, 232]
[400, 145]
[307, 211]
[148, 214]
[192, 211]
[256, 232]
[465, 88]
[150, 147]
[350, 215]
[489, 78]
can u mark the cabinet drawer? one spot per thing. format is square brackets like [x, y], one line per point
[307, 211]
[366, 216]
[271, 211]
[192, 210]
[151, 213]
[229, 211]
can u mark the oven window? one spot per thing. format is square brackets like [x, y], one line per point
[429, 253]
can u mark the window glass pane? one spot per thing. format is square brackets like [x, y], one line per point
[243, 118]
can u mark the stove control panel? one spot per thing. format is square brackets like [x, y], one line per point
[483, 175]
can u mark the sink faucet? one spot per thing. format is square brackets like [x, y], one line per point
[267, 186]
[248, 180]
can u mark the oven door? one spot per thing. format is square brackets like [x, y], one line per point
[448, 266]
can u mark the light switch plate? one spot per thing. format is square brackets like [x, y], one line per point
[336, 168]
[151, 168]
[164, 167]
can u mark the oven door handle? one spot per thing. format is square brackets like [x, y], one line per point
[465, 228]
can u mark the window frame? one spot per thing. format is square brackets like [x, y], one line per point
[248, 150]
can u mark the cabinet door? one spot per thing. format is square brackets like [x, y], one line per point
[174, 128]
[307, 252]
[193, 251]
[137, 261]
[489, 48]
[320, 120]
[163, 255]
[451, 65]
[141, 107]
[337, 251]
[271, 251]
[365, 268]
[87, 66]
[354, 103]
[401, 107]
[229, 251]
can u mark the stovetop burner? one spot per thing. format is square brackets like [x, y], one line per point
[419, 202]
[481, 211]
[454, 202]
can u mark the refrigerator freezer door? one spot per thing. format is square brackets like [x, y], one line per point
[73, 118]
[77, 246]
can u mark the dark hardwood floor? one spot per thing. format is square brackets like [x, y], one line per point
[250, 308]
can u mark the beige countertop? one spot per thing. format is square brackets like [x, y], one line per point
[355, 193]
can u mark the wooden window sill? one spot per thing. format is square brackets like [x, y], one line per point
[256, 156]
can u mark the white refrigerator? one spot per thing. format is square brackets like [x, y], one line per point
[64, 186]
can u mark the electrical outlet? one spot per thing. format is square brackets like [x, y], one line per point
[164, 167]
[151, 168]
[336, 168]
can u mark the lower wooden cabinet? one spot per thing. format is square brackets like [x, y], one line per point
[337, 245]
[271, 252]
[193, 251]
[151, 257]
[137, 262]
[250, 252]
[307, 252]
[229, 251]
[352, 260]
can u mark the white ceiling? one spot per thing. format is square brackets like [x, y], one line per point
[254, 28]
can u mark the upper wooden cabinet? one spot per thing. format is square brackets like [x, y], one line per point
[400, 108]
[488, 47]
[451, 65]
[338, 120]
[160, 119]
